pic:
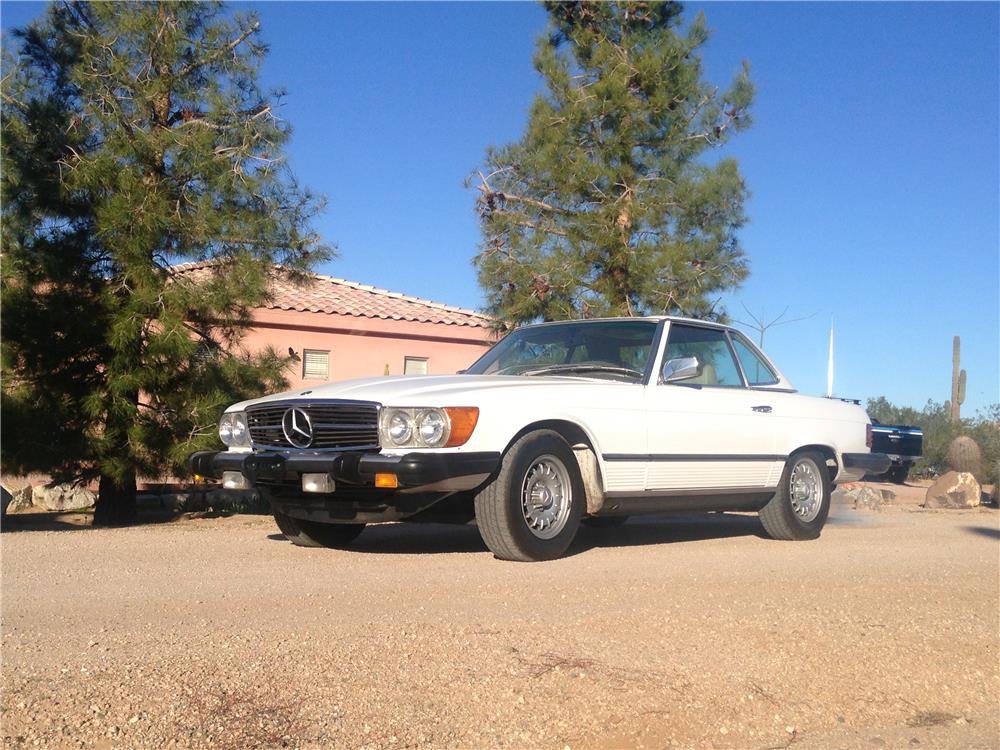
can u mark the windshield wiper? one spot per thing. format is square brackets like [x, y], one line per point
[584, 367]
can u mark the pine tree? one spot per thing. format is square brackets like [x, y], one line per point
[136, 137]
[607, 206]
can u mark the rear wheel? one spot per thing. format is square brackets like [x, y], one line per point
[898, 474]
[532, 510]
[799, 508]
[313, 534]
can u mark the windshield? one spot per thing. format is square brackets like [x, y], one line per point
[615, 349]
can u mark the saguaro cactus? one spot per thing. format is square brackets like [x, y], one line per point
[964, 454]
[957, 381]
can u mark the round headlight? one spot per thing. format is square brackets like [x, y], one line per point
[233, 429]
[226, 429]
[400, 428]
[431, 426]
[239, 429]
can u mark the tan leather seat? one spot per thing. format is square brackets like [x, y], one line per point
[707, 377]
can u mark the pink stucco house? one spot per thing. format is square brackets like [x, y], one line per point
[337, 329]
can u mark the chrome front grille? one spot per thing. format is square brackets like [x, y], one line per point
[336, 425]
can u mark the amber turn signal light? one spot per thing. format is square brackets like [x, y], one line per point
[386, 481]
[463, 422]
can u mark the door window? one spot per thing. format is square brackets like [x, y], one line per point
[710, 346]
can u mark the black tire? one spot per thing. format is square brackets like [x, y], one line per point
[499, 513]
[313, 534]
[898, 474]
[604, 522]
[780, 519]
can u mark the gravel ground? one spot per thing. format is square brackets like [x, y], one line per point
[690, 632]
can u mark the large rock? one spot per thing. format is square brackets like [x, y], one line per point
[22, 499]
[63, 497]
[956, 489]
[863, 497]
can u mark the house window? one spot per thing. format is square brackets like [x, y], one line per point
[415, 366]
[315, 364]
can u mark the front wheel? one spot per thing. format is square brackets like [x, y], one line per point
[532, 510]
[799, 508]
[313, 534]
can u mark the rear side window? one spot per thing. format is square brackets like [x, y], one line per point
[711, 348]
[758, 372]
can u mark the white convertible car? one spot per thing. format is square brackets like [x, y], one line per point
[559, 423]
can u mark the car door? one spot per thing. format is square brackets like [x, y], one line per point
[792, 417]
[708, 433]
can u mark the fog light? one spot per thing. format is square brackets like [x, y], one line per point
[386, 481]
[318, 483]
[233, 480]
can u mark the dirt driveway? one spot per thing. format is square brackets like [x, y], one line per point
[670, 632]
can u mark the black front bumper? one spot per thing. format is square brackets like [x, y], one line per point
[412, 470]
[872, 463]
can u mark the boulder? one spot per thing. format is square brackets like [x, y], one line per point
[22, 499]
[863, 497]
[63, 497]
[956, 489]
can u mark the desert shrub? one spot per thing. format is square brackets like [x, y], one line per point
[934, 419]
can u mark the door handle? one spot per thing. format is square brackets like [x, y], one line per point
[762, 409]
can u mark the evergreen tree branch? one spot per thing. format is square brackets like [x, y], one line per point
[219, 53]
[490, 194]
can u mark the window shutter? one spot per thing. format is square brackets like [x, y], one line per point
[415, 366]
[315, 365]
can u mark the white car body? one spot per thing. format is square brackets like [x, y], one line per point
[642, 443]
[616, 417]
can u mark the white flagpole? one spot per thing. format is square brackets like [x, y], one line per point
[829, 365]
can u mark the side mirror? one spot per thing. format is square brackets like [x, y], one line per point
[681, 368]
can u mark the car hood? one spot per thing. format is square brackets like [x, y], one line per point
[428, 390]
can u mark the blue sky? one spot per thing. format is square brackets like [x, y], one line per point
[874, 164]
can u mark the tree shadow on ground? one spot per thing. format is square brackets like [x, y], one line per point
[984, 531]
[431, 538]
[44, 520]
[47, 521]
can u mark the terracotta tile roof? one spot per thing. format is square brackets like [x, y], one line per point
[335, 296]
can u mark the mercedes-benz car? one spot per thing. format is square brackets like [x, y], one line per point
[557, 424]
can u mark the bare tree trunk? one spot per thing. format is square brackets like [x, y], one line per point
[115, 501]
[116, 497]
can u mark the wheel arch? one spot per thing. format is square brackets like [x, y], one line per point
[584, 448]
[570, 431]
[828, 453]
